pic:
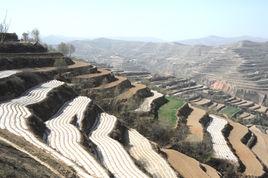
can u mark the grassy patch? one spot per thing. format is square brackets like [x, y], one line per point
[230, 111]
[168, 111]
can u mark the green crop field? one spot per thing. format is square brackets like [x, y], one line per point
[168, 110]
[230, 111]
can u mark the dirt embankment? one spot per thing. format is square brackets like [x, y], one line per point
[183, 112]
[156, 104]
[130, 99]
[91, 116]
[36, 169]
[13, 47]
[111, 89]
[15, 163]
[45, 109]
[16, 85]
[30, 60]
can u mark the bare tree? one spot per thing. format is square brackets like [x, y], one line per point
[25, 37]
[4, 26]
[63, 48]
[71, 49]
[35, 35]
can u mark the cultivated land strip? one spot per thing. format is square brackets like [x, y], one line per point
[15, 113]
[141, 150]
[261, 147]
[252, 166]
[113, 154]
[220, 146]
[193, 122]
[7, 73]
[186, 166]
[67, 139]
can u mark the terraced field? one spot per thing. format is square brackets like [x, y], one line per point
[220, 146]
[113, 155]
[48, 121]
[7, 73]
[169, 110]
[14, 115]
[190, 167]
[141, 150]
[67, 139]
[146, 105]
[195, 127]
[261, 147]
[252, 165]
[230, 111]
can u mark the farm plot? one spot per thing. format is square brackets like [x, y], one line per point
[7, 73]
[195, 127]
[187, 166]
[15, 113]
[113, 154]
[146, 105]
[203, 102]
[252, 165]
[66, 138]
[220, 147]
[230, 111]
[169, 110]
[141, 150]
[261, 147]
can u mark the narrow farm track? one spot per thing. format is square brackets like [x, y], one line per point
[220, 147]
[113, 155]
[7, 73]
[15, 113]
[141, 150]
[146, 105]
[252, 165]
[66, 138]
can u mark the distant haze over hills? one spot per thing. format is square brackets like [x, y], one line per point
[217, 40]
[208, 41]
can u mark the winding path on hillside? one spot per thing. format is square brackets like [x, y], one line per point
[113, 154]
[141, 150]
[67, 139]
[147, 103]
[14, 114]
[220, 146]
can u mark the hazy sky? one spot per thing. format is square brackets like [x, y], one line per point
[164, 19]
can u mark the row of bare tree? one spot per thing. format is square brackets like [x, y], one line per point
[4, 26]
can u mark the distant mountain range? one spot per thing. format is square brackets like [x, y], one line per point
[217, 40]
[208, 41]
[56, 39]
